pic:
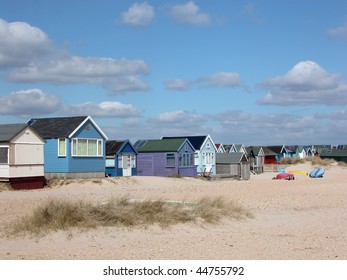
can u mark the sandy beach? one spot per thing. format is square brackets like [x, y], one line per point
[302, 219]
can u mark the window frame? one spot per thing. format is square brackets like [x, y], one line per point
[75, 152]
[133, 161]
[186, 160]
[8, 155]
[208, 158]
[171, 156]
[61, 155]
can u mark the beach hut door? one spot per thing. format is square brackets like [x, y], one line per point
[126, 159]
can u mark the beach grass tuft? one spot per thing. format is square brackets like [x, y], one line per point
[315, 161]
[55, 215]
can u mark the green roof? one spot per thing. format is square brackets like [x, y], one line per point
[333, 153]
[162, 145]
[269, 152]
[256, 150]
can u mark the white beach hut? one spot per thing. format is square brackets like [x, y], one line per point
[21, 156]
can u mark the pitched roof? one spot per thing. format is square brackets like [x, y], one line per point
[196, 141]
[227, 147]
[112, 147]
[277, 149]
[56, 127]
[228, 158]
[255, 150]
[333, 153]
[62, 127]
[269, 152]
[9, 131]
[220, 147]
[238, 147]
[161, 145]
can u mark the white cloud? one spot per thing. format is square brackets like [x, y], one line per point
[30, 54]
[20, 43]
[306, 83]
[172, 117]
[178, 84]
[220, 79]
[121, 85]
[139, 14]
[107, 109]
[223, 79]
[173, 123]
[236, 127]
[34, 102]
[29, 103]
[340, 31]
[119, 76]
[179, 120]
[338, 115]
[269, 129]
[189, 13]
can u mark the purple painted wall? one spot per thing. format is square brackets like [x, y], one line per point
[154, 164]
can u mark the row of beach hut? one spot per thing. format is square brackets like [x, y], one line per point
[76, 147]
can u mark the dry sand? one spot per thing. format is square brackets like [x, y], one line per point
[301, 219]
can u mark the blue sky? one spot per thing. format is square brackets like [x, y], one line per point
[251, 72]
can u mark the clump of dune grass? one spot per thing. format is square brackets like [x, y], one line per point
[4, 186]
[321, 162]
[290, 160]
[314, 161]
[55, 215]
[56, 182]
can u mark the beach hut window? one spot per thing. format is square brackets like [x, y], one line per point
[61, 147]
[99, 148]
[133, 161]
[186, 160]
[3, 155]
[120, 161]
[196, 158]
[109, 162]
[208, 158]
[170, 160]
[86, 147]
[92, 148]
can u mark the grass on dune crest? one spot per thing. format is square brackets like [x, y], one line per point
[315, 161]
[55, 215]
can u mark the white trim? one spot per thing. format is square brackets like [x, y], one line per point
[8, 154]
[220, 149]
[189, 158]
[261, 152]
[59, 155]
[89, 118]
[186, 141]
[205, 142]
[98, 153]
[166, 157]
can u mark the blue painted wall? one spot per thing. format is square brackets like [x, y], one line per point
[53, 163]
[88, 164]
[208, 147]
[117, 170]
